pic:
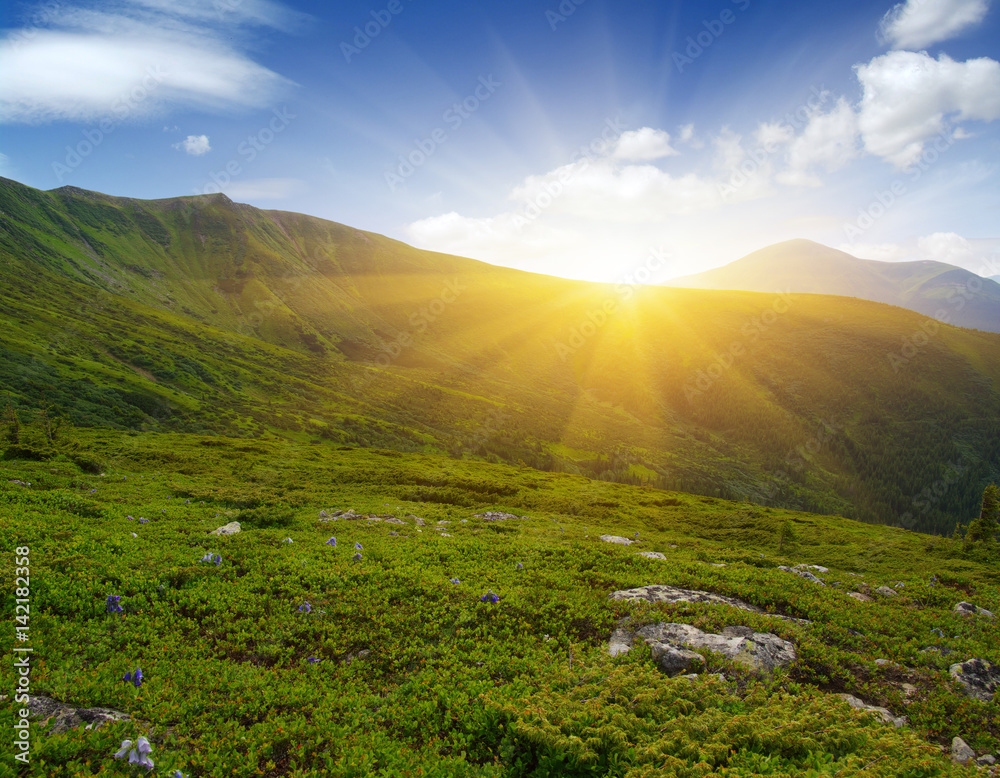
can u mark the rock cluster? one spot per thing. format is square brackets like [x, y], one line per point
[671, 645]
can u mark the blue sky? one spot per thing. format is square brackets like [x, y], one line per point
[577, 138]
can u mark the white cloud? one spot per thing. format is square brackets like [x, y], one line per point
[687, 133]
[829, 141]
[916, 24]
[262, 189]
[643, 145]
[136, 60]
[948, 247]
[195, 145]
[770, 136]
[910, 97]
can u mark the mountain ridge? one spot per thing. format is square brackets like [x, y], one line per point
[199, 314]
[941, 291]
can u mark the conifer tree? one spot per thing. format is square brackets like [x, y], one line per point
[985, 527]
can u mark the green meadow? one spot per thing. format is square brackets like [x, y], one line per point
[275, 652]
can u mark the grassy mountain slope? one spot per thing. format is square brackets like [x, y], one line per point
[934, 289]
[198, 314]
[285, 656]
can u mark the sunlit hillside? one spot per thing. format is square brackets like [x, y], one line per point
[199, 314]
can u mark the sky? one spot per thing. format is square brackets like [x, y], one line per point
[590, 139]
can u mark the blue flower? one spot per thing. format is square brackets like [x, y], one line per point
[134, 678]
[206, 558]
[112, 605]
[177, 774]
[358, 547]
[455, 581]
[217, 559]
[313, 660]
[93, 491]
[357, 557]
[143, 521]
[138, 755]
[305, 606]
[489, 597]
[332, 542]
[287, 540]
[520, 566]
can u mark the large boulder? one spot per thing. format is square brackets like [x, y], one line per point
[658, 593]
[759, 651]
[978, 678]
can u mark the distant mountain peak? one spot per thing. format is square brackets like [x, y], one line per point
[804, 266]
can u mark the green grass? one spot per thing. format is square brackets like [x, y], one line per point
[452, 686]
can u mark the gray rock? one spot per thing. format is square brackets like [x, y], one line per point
[671, 594]
[617, 539]
[960, 751]
[759, 651]
[859, 596]
[942, 650]
[394, 520]
[817, 568]
[885, 591]
[64, 718]
[802, 573]
[882, 713]
[651, 554]
[674, 660]
[978, 678]
[497, 516]
[986, 759]
[232, 528]
[968, 609]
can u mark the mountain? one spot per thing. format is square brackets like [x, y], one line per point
[198, 314]
[943, 292]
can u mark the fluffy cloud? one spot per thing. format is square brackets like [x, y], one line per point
[644, 145]
[195, 145]
[829, 141]
[947, 247]
[134, 60]
[919, 23]
[910, 97]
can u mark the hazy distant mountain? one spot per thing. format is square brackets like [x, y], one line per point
[934, 289]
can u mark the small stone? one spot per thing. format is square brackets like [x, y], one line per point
[882, 713]
[651, 554]
[617, 539]
[885, 591]
[232, 528]
[859, 596]
[986, 759]
[968, 609]
[960, 751]
[979, 678]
